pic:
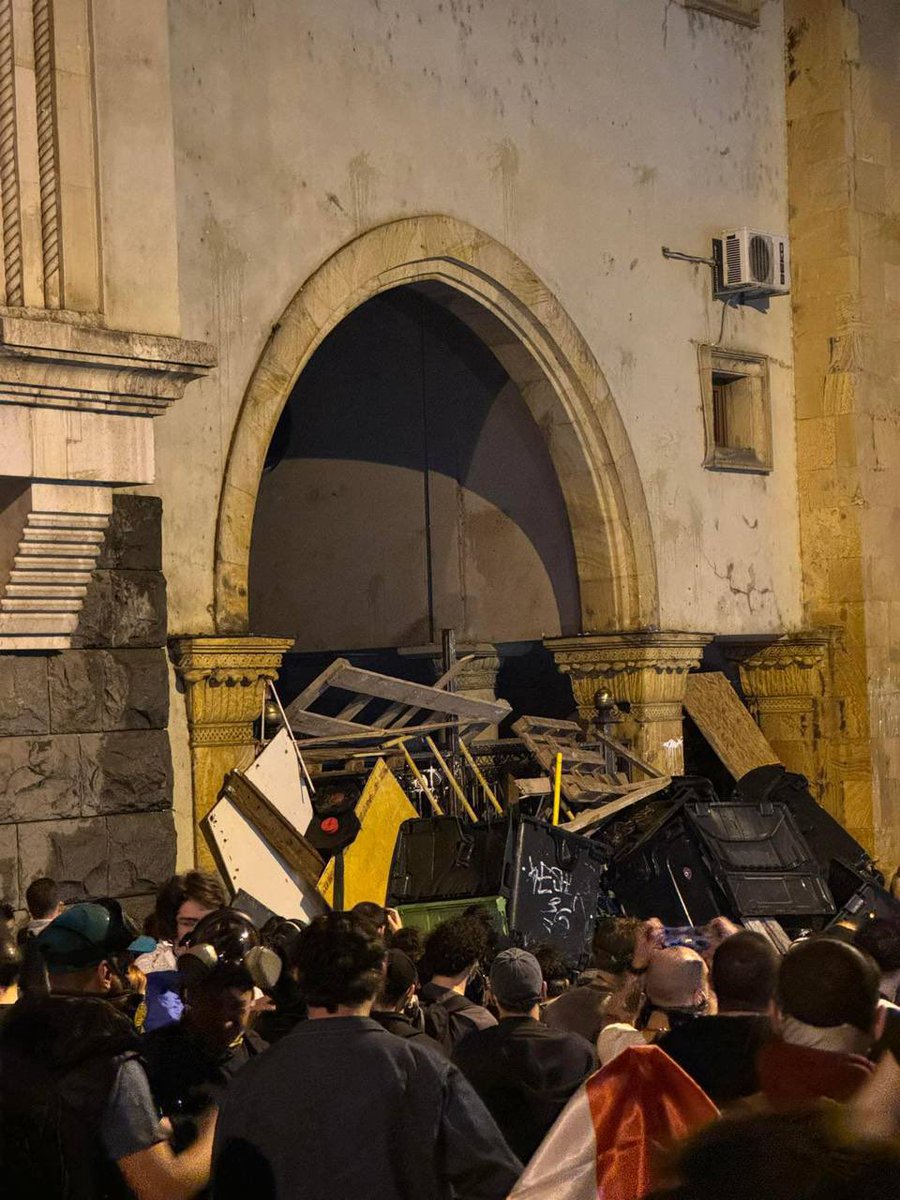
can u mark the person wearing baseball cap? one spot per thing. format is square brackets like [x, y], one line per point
[76, 1115]
[524, 1071]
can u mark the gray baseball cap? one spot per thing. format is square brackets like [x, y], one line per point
[516, 979]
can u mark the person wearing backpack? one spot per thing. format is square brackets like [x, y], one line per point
[77, 1120]
[453, 952]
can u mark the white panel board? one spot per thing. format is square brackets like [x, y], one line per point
[251, 863]
[276, 773]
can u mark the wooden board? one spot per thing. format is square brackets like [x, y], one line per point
[382, 808]
[248, 861]
[276, 773]
[594, 816]
[281, 835]
[717, 711]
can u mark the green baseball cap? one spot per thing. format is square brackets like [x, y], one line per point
[87, 934]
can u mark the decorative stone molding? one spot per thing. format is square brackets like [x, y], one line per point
[538, 344]
[225, 685]
[76, 409]
[785, 683]
[645, 672]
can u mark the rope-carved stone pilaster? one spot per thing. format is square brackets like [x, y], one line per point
[9, 167]
[48, 172]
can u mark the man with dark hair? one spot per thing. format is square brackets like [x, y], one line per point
[453, 952]
[43, 904]
[190, 1062]
[341, 1109]
[398, 995]
[77, 1120]
[826, 1020]
[181, 902]
[524, 1072]
[719, 1052]
[581, 1009]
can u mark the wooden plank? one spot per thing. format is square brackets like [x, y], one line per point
[248, 861]
[593, 816]
[373, 733]
[381, 809]
[717, 711]
[538, 723]
[281, 835]
[386, 687]
[314, 690]
[306, 722]
[396, 718]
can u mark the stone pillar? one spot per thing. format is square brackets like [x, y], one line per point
[784, 683]
[645, 673]
[225, 683]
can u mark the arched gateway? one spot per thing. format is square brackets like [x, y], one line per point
[514, 314]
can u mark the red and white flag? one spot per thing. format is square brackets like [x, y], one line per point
[606, 1141]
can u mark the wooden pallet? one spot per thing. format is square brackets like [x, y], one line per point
[595, 775]
[381, 707]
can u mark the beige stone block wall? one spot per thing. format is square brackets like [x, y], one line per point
[843, 111]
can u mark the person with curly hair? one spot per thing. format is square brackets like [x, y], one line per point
[454, 951]
[343, 1109]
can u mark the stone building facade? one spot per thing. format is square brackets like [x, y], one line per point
[238, 239]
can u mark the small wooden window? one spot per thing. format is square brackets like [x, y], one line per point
[746, 12]
[735, 392]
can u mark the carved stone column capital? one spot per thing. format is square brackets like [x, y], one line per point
[785, 680]
[225, 684]
[640, 668]
[792, 666]
[646, 672]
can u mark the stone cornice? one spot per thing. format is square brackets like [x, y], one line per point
[622, 653]
[229, 661]
[793, 665]
[61, 364]
[225, 680]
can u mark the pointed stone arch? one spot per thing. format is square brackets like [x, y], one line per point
[517, 316]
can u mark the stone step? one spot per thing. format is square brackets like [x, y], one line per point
[48, 562]
[44, 549]
[85, 537]
[26, 575]
[40, 606]
[48, 591]
[43, 624]
[67, 521]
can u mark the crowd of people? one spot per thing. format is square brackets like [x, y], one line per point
[355, 1058]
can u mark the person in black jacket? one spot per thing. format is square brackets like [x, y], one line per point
[524, 1071]
[719, 1052]
[453, 952]
[397, 999]
[342, 1110]
[77, 1121]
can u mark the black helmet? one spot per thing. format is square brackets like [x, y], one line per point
[226, 943]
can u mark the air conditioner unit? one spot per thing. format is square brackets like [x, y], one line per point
[752, 262]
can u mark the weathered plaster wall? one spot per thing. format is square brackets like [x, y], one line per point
[844, 123]
[584, 136]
